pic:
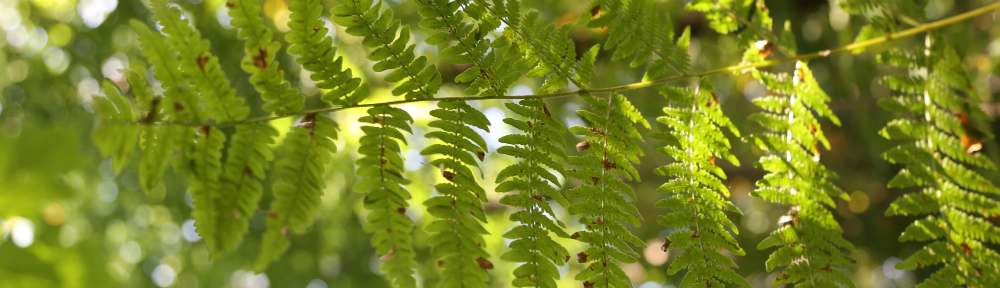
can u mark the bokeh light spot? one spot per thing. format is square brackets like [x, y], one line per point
[859, 202]
[189, 231]
[22, 231]
[130, 252]
[55, 214]
[654, 254]
[163, 276]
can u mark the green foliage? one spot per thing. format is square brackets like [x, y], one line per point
[381, 169]
[306, 150]
[188, 121]
[260, 61]
[198, 65]
[379, 29]
[247, 160]
[809, 240]
[492, 72]
[116, 132]
[550, 49]
[697, 196]
[750, 19]
[610, 148]
[457, 238]
[311, 43]
[884, 16]
[639, 41]
[938, 113]
[541, 150]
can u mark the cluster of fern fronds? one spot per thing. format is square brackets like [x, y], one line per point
[200, 127]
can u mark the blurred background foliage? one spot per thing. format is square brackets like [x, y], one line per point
[68, 220]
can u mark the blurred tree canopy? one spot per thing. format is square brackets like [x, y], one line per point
[68, 220]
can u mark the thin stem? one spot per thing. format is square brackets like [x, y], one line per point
[825, 53]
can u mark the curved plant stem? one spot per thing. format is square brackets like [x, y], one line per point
[847, 48]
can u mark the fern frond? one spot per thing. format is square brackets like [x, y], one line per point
[549, 48]
[630, 30]
[750, 19]
[297, 191]
[248, 156]
[198, 65]
[492, 71]
[697, 196]
[202, 162]
[809, 240]
[309, 40]
[200, 149]
[457, 238]
[611, 147]
[179, 102]
[379, 29]
[381, 168]
[942, 145]
[260, 62]
[117, 130]
[540, 149]
[156, 141]
[883, 16]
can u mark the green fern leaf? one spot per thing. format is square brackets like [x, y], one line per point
[938, 110]
[316, 53]
[652, 45]
[381, 168]
[697, 197]
[611, 147]
[541, 149]
[307, 149]
[260, 62]
[198, 65]
[457, 238]
[797, 178]
[117, 130]
[247, 159]
[493, 69]
[379, 29]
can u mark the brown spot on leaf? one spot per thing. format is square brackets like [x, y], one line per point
[260, 61]
[593, 13]
[575, 236]
[581, 257]
[481, 155]
[483, 263]
[201, 62]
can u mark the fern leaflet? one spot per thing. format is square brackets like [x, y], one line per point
[697, 198]
[317, 54]
[381, 168]
[458, 233]
[610, 149]
[379, 30]
[541, 149]
[260, 62]
[809, 240]
[942, 143]
[307, 149]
